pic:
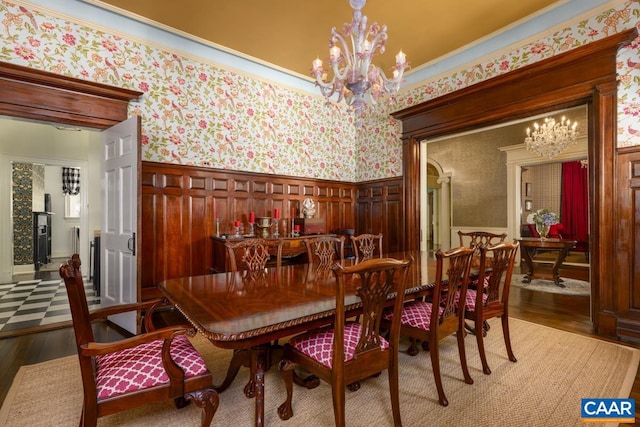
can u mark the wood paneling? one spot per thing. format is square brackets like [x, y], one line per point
[180, 204]
[628, 245]
[379, 210]
[586, 75]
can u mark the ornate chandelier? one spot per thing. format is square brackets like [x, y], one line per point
[355, 78]
[551, 138]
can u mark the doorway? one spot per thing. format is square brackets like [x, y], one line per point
[47, 148]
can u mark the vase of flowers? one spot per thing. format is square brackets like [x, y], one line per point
[543, 219]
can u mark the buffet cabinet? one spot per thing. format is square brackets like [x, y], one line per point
[294, 251]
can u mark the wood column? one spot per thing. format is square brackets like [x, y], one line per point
[411, 184]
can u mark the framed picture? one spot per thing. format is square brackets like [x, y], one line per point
[527, 189]
[527, 205]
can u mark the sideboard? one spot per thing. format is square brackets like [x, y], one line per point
[293, 251]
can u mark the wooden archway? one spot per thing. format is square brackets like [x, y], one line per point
[586, 75]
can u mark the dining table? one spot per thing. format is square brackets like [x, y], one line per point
[247, 311]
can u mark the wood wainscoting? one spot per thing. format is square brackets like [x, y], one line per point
[180, 205]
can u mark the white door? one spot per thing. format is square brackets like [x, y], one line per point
[118, 275]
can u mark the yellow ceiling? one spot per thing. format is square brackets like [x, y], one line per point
[291, 33]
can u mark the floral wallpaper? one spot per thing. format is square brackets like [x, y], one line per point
[623, 17]
[197, 113]
[22, 177]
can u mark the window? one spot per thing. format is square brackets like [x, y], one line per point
[72, 206]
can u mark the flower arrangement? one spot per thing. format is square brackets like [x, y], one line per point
[543, 217]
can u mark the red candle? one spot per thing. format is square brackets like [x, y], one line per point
[236, 223]
[252, 217]
[296, 227]
[276, 213]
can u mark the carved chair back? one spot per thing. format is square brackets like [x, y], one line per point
[323, 251]
[374, 281]
[488, 302]
[366, 246]
[477, 239]
[253, 254]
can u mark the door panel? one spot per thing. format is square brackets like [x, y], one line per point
[119, 221]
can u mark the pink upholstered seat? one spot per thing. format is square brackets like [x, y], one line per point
[345, 353]
[416, 314]
[494, 300]
[318, 345]
[156, 365]
[419, 321]
[472, 294]
[140, 367]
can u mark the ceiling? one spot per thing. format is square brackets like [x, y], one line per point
[292, 33]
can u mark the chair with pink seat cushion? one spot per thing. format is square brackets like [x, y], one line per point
[420, 321]
[493, 301]
[150, 367]
[347, 352]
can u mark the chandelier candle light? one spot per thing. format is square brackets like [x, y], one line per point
[354, 76]
[551, 138]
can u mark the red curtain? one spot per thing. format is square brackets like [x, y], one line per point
[574, 209]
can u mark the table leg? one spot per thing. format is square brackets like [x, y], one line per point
[562, 254]
[526, 254]
[240, 358]
[258, 363]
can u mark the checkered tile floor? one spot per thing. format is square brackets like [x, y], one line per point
[36, 302]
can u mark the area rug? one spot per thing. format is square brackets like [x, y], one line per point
[555, 369]
[572, 286]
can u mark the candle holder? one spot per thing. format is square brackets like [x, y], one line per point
[252, 229]
[264, 223]
[276, 217]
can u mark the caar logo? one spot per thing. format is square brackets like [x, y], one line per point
[608, 410]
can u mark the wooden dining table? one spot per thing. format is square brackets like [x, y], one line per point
[246, 311]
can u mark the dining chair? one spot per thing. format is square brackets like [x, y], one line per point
[322, 251]
[420, 321]
[348, 244]
[347, 352]
[253, 254]
[154, 366]
[476, 239]
[487, 303]
[366, 246]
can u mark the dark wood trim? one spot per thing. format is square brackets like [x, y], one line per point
[40, 95]
[585, 75]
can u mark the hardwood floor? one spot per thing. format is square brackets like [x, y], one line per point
[569, 313]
